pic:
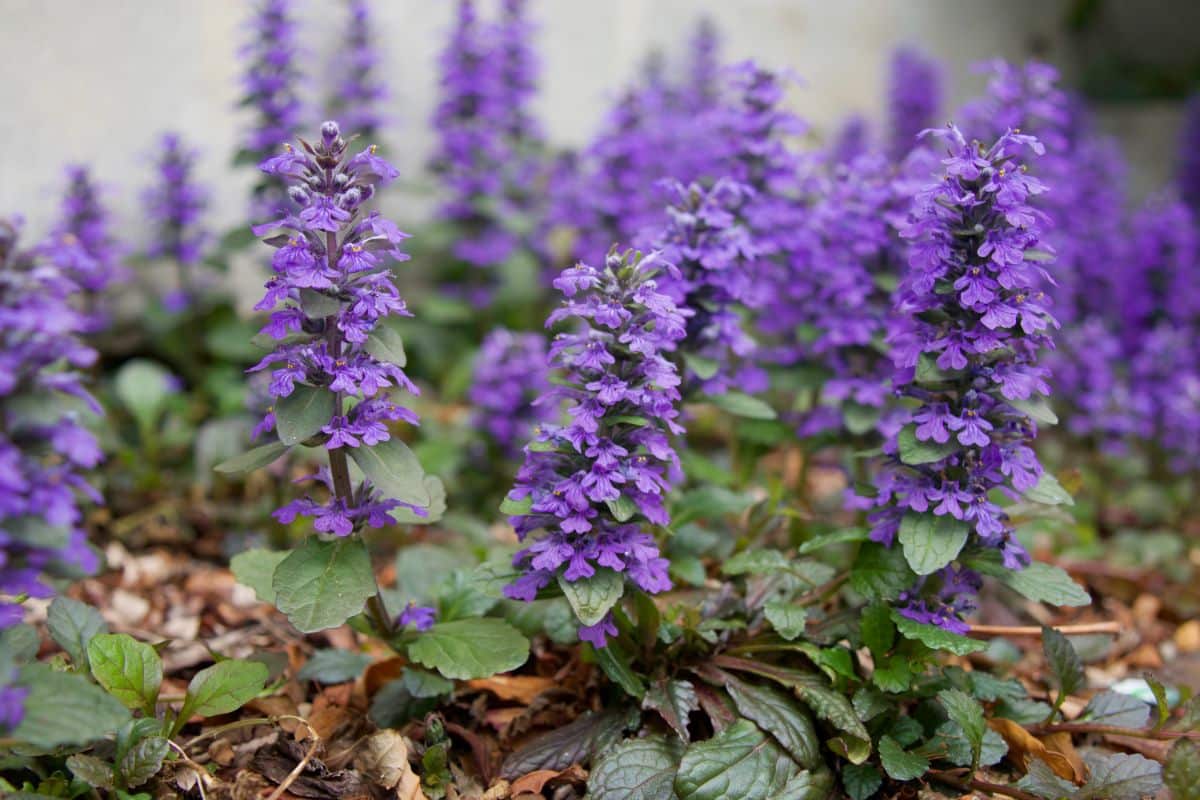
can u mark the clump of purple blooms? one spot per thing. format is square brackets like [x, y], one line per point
[44, 446]
[83, 246]
[591, 486]
[174, 205]
[270, 85]
[330, 294]
[711, 251]
[978, 321]
[359, 91]
[914, 98]
[509, 380]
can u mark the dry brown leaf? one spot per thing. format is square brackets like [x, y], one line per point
[500, 790]
[381, 672]
[1146, 656]
[384, 760]
[1023, 745]
[522, 688]
[1060, 744]
[327, 720]
[534, 781]
[1187, 636]
[501, 718]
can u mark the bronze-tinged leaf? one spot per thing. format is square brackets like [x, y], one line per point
[1023, 745]
[1060, 744]
[521, 688]
[533, 782]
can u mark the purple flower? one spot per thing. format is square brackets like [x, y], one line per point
[510, 378]
[914, 99]
[359, 91]
[44, 446]
[175, 204]
[593, 484]
[12, 707]
[961, 358]
[332, 310]
[420, 617]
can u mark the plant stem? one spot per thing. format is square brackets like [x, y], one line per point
[982, 786]
[1088, 727]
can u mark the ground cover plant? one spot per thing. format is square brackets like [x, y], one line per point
[719, 459]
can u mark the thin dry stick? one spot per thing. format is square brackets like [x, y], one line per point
[299, 768]
[1035, 630]
[201, 772]
[1112, 730]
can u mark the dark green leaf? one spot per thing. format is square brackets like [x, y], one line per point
[321, 584]
[91, 770]
[333, 666]
[878, 631]
[251, 460]
[1116, 709]
[615, 664]
[256, 569]
[72, 625]
[143, 761]
[708, 502]
[65, 708]
[968, 714]
[913, 451]
[36, 532]
[386, 345]
[224, 687]
[1121, 776]
[743, 405]
[130, 670]
[577, 742]
[1161, 703]
[1065, 664]
[394, 705]
[861, 781]
[1182, 771]
[936, 638]
[739, 761]
[394, 471]
[900, 764]
[422, 683]
[674, 700]
[880, 573]
[778, 714]
[592, 598]
[931, 542]
[303, 413]
[951, 740]
[1042, 781]
[833, 537]
[637, 769]
[18, 645]
[318, 304]
[470, 648]
[786, 618]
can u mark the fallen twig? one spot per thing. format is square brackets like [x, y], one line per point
[1036, 630]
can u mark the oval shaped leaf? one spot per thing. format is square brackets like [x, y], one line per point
[931, 542]
[592, 598]
[251, 460]
[394, 470]
[637, 769]
[321, 584]
[303, 413]
[470, 648]
[130, 670]
[223, 687]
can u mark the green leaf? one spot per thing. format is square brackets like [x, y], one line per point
[637, 769]
[36, 532]
[966, 711]
[703, 368]
[394, 705]
[861, 781]
[251, 460]
[433, 512]
[334, 666]
[936, 638]
[1161, 702]
[143, 387]
[318, 304]
[1043, 583]
[931, 542]
[224, 687]
[778, 714]
[423, 569]
[130, 670]
[739, 761]
[1116, 709]
[321, 584]
[72, 625]
[1049, 491]
[950, 739]
[422, 683]
[386, 345]
[303, 413]
[395, 471]
[707, 502]
[615, 664]
[470, 648]
[674, 700]
[577, 742]
[592, 598]
[516, 508]
[1182, 771]
[1042, 781]
[901, 765]
[143, 761]
[756, 561]
[91, 770]
[1121, 776]
[1065, 664]
[823, 540]
[743, 405]
[622, 508]
[786, 618]
[1037, 409]
[19, 644]
[65, 708]
[880, 573]
[878, 630]
[860, 419]
[256, 569]
[913, 451]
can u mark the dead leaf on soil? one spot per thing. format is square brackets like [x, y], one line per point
[384, 760]
[1023, 745]
[522, 688]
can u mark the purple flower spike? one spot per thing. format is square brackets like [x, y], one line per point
[330, 296]
[914, 98]
[175, 205]
[510, 377]
[975, 322]
[359, 91]
[592, 486]
[44, 447]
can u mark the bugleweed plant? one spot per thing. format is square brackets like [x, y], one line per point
[336, 358]
[175, 204]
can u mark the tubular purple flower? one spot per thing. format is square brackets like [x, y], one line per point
[914, 98]
[593, 486]
[702, 89]
[977, 321]
[510, 377]
[359, 91]
[174, 206]
[44, 447]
